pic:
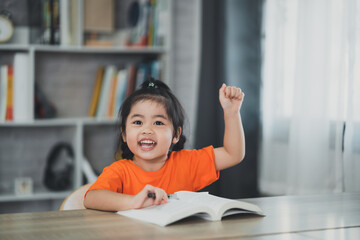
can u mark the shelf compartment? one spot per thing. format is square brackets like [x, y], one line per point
[24, 152]
[99, 144]
[69, 86]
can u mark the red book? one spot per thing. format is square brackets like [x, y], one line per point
[131, 79]
[10, 94]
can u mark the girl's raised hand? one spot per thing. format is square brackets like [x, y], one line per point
[231, 98]
[142, 200]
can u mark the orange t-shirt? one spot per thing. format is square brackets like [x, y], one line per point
[189, 170]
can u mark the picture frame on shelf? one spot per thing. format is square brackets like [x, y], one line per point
[23, 186]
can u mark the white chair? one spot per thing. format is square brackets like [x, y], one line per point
[76, 199]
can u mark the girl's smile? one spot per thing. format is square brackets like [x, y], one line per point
[147, 144]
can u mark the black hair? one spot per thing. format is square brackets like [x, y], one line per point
[159, 92]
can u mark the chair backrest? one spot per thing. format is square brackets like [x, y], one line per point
[76, 199]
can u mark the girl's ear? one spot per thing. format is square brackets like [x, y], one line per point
[123, 135]
[176, 138]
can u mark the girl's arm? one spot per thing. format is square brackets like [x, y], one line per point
[101, 199]
[233, 150]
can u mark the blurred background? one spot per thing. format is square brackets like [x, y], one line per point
[70, 63]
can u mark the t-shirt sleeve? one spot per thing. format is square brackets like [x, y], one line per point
[202, 167]
[110, 179]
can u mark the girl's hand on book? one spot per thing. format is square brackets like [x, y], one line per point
[142, 200]
[230, 98]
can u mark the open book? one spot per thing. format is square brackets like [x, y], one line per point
[187, 204]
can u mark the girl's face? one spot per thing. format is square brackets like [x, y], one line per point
[149, 132]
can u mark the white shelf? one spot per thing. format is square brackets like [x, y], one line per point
[35, 196]
[82, 49]
[95, 121]
[60, 122]
[14, 47]
[40, 123]
[103, 50]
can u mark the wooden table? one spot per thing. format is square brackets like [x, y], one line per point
[335, 216]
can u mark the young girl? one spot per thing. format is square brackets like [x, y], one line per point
[152, 142]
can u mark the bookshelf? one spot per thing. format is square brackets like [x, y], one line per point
[66, 74]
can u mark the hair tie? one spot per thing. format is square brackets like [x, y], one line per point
[152, 85]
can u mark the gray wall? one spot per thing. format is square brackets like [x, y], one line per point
[231, 53]
[243, 69]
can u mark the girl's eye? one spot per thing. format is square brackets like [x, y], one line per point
[137, 122]
[159, 123]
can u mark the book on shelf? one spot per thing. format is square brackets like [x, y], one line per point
[22, 108]
[70, 22]
[96, 91]
[50, 22]
[105, 91]
[46, 22]
[76, 23]
[185, 204]
[131, 79]
[10, 94]
[151, 22]
[155, 69]
[111, 99]
[142, 73]
[3, 91]
[161, 22]
[120, 89]
[65, 28]
[157, 20]
[55, 23]
[117, 94]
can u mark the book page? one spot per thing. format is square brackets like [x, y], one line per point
[204, 198]
[219, 205]
[165, 214]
